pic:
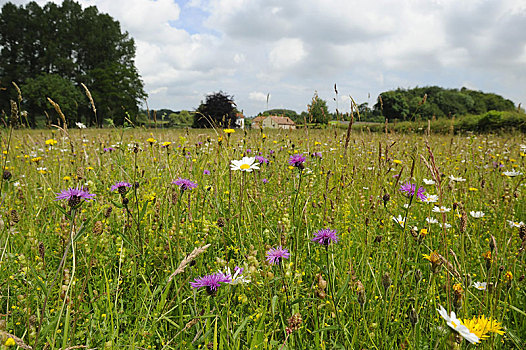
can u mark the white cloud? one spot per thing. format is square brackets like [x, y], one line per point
[292, 48]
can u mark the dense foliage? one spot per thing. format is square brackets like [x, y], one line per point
[435, 102]
[318, 111]
[63, 46]
[219, 110]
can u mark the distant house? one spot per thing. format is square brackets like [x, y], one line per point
[240, 120]
[273, 122]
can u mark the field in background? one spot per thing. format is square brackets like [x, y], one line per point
[114, 272]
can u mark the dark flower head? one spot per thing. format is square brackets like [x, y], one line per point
[108, 149]
[211, 282]
[275, 255]
[325, 237]
[409, 189]
[185, 184]
[120, 186]
[316, 154]
[74, 196]
[297, 160]
[261, 159]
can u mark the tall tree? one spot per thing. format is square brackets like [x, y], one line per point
[219, 110]
[81, 45]
[318, 110]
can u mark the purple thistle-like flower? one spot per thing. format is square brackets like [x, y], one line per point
[74, 196]
[275, 255]
[261, 159]
[211, 282]
[297, 160]
[108, 149]
[265, 181]
[316, 154]
[185, 184]
[409, 189]
[325, 237]
[206, 172]
[120, 186]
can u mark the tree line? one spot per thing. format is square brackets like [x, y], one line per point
[50, 51]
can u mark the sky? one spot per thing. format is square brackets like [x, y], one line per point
[290, 49]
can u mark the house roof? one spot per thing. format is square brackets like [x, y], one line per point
[282, 120]
[259, 119]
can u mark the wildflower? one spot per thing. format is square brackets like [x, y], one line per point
[51, 142]
[508, 276]
[434, 259]
[80, 125]
[261, 160]
[297, 160]
[185, 184]
[10, 342]
[237, 277]
[211, 282]
[476, 214]
[265, 181]
[151, 140]
[399, 220]
[515, 224]
[409, 189]
[206, 172]
[325, 237]
[423, 232]
[229, 131]
[120, 186]
[75, 196]
[437, 209]
[481, 326]
[445, 224]
[456, 179]
[166, 144]
[431, 198]
[245, 164]
[455, 324]
[276, 255]
[429, 182]
[480, 285]
[511, 173]
[108, 149]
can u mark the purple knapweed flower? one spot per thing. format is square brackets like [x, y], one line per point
[409, 189]
[265, 181]
[249, 150]
[261, 159]
[325, 237]
[275, 255]
[185, 184]
[108, 149]
[75, 196]
[316, 155]
[206, 172]
[297, 160]
[211, 282]
[120, 186]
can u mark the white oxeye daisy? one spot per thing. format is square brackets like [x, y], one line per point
[480, 285]
[441, 209]
[477, 214]
[512, 173]
[453, 322]
[457, 179]
[446, 225]
[429, 182]
[399, 220]
[515, 223]
[432, 221]
[246, 164]
[431, 198]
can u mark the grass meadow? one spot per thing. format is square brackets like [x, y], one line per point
[179, 248]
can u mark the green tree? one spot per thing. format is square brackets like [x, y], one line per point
[62, 91]
[81, 45]
[318, 110]
[219, 110]
[393, 105]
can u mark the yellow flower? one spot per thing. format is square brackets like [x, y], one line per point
[166, 144]
[434, 257]
[423, 232]
[151, 140]
[481, 326]
[67, 178]
[10, 342]
[229, 131]
[396, 161]
[51, 142]
[457, 287]
[36, 159]
[263, 136]
[508, 276]
[473, 189]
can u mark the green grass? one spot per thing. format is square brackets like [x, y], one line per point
[371, 290]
